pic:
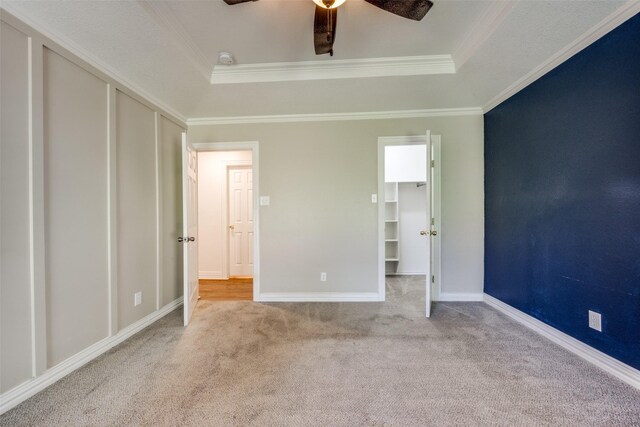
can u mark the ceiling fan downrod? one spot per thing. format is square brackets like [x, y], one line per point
[329, 3]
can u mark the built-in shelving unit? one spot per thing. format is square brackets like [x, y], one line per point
[391, 227]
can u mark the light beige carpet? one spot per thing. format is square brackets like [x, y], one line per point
[335, 364]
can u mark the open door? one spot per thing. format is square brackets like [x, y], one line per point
[189, 227]
[428, 232]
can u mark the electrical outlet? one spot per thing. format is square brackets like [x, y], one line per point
[323, 277]
[595, 321]
[374, 198]
[137, 299]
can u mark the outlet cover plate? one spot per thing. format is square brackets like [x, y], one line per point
[137, 299]
[595, 321]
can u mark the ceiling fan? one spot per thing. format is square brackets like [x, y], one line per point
[324, 24]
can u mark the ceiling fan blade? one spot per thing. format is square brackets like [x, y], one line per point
[411, 9]
[324, 30]
[232, 2]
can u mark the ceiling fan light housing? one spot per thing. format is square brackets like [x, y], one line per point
[335, 4]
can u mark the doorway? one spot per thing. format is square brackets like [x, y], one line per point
[409, 213]
[227, 221]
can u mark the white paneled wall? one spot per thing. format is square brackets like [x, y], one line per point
[90, 212]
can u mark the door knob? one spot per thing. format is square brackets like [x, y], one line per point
[423, 232]
[434, 233]
[191, 239]
[232, 227]
[180, 239]
[427, 233]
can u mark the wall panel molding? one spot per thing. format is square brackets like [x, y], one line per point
[36, 206]
[318, 297]
[37, 191]
[70, 50]
[19, 394]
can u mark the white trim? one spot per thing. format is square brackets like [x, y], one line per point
[628, 10]
[83, 55]
[167, 20]
[436, 213]
[112, 216]
[404, 273]
[319, 297]
[254, 147]
[466, 297]
[333, 69]
[37, 265]
[480, 32]
[603, 361]
[215, 275]
[325, 117]
[27, 389]
[159, 215]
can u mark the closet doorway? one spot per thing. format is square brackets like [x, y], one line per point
[226, 225]
[409, 212]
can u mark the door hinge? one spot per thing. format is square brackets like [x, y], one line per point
[433, 163]
[433, 221]
[433, 279]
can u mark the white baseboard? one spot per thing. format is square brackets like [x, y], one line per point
[18, 394]
[455, 296]
[318, 297]
[402, 273]
[603, 361]
[211, 275]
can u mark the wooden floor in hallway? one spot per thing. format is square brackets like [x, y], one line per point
[233, 289]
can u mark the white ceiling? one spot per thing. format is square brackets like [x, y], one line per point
[169, 48]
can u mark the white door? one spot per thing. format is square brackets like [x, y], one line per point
[189, 227]
[240, 181]
[427, 233]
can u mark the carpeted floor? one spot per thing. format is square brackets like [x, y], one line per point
[335, 364]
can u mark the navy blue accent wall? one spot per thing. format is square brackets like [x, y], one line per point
[562, 196]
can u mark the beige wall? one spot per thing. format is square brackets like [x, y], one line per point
[76, 211]
[15, 293]
[96, 176]
[320, 177]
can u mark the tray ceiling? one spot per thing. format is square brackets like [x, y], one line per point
[170, 48]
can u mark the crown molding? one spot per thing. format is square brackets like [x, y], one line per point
[164, 16]
[333, 69]
[88, 58]
[622, 14]
[326, 117]
[484, 27]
